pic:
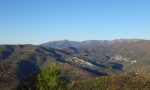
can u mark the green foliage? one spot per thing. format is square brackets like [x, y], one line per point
[52, 78]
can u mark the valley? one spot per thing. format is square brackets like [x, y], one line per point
[87, 60]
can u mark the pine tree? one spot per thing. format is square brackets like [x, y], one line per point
[52, 78]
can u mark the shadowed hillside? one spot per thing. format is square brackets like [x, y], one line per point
[20, 64]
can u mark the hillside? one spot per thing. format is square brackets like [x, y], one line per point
[81, 61]
[126, 81]
[127, 54]
[19, 65]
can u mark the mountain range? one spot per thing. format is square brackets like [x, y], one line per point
[128, 54]
[19, 64]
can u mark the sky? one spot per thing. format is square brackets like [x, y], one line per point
[40, 21]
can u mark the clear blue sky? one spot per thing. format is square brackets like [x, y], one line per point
[39, 21]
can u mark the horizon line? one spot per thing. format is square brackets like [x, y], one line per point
[74, 41]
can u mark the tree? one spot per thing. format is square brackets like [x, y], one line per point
[52, 78]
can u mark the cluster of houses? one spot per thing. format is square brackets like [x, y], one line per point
[124, 59]
[77, 60]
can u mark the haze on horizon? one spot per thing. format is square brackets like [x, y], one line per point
[40, 21]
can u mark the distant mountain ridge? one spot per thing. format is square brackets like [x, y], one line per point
[62, 44]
